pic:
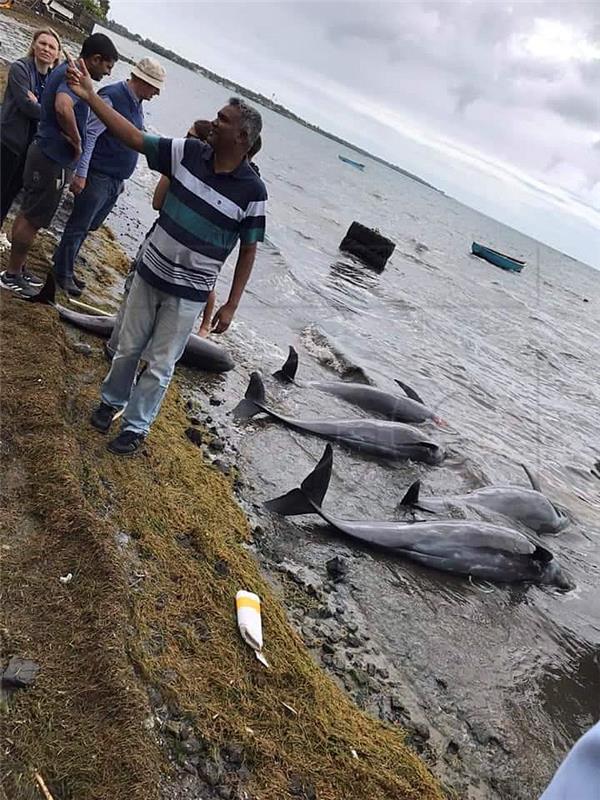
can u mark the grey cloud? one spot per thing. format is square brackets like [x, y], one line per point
[581, 108]
[466, 94]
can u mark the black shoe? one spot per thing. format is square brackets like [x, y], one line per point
[68, 285]
[79, 282]
[32, 279]
[16, 284]
[126, 443]
[103, 417]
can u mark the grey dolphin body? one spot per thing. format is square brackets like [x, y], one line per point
[409, 409]
[390, 440]
[199, 353]
[462, 547]
[528, 506]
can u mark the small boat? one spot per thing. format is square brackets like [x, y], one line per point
[356, 164]
[498, 259]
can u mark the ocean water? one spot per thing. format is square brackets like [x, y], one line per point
[511, 362]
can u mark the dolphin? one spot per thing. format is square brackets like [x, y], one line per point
[378, 437]
[409, 409]
[462, 547]
[527, 506]
[199, 353]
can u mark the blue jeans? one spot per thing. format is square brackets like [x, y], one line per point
[159, 325]
[92, 206]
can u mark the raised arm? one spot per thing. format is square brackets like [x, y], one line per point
[81, 84]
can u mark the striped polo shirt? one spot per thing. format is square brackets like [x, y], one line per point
[202, 218]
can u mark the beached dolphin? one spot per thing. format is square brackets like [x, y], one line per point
[390, 440]
[528, 506]
[399, 408]
[462, 547]
[199, 353]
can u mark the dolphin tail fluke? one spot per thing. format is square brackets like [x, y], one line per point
[253, 401]
[309, 497]
[409, 392]
[411, 498]
[533, 479]
[288, 372]
[47, 294]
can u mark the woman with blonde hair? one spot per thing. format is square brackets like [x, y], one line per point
[21, 111]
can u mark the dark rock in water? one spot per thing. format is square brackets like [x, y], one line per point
[194, 435]
[422, 730]
[83, 348]
[214, 401]
[194, 421]
[337, 568]
[216, 446]
[20, 672]
[368, 245]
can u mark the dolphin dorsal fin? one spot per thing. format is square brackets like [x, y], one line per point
[409, 392]
[411, 498]
[533, 480]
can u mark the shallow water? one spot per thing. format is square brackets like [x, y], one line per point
[510, 361]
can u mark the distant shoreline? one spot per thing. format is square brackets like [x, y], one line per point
[256, 97]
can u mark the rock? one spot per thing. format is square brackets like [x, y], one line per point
[352, 627]
[422, 730]
[210, 771]
[222, 568]
[337, 568]
[173, 728]
[301, 789]
[194, 435]
[328, 648]
[214, 401]
[191, 746]
[339, 662]
[233, 755]
[189, 767]
[221, 466]
[225, 792]
[452, 748]
[396, 703]
[83, 348]
[216, 446]
[353, 641]
[383, 673]
[194, 421]
[20, 672]
[371, 669]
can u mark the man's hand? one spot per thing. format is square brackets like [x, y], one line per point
[75, 144]
[77, 184]
[79, 79]
[203, 331]
[31, 96]
[222, 319]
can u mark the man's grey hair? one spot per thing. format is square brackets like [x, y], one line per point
[250, 119]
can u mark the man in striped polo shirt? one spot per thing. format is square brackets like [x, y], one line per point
[215, 199]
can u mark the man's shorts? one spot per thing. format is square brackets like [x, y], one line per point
[43, 182]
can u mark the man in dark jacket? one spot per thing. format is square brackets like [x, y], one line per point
[104, 167]
[53, 153]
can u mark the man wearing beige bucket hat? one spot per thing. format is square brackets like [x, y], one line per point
[104, 166]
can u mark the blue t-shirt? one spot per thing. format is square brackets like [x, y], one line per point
[50, 136]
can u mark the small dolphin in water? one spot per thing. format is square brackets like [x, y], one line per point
[199, 353]
[528, 506]
[462, 547]
[409, 409]
[390, 440]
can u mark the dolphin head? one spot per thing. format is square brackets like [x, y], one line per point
[554, 575]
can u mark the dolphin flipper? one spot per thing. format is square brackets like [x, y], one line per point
[409, 392]
[309, 496]
[411, 498]
[533, 479]
[288, 372]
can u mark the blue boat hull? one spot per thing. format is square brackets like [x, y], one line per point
[497, 259]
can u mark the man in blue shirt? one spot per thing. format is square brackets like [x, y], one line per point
[214, 200]
[54, 152]
[104, 167]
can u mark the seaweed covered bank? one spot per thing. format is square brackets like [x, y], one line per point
[144, 688]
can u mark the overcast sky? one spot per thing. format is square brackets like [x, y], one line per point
[508, 91]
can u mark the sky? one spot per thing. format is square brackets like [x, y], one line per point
[489, 101]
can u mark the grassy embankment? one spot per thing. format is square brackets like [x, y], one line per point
[155, 545]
